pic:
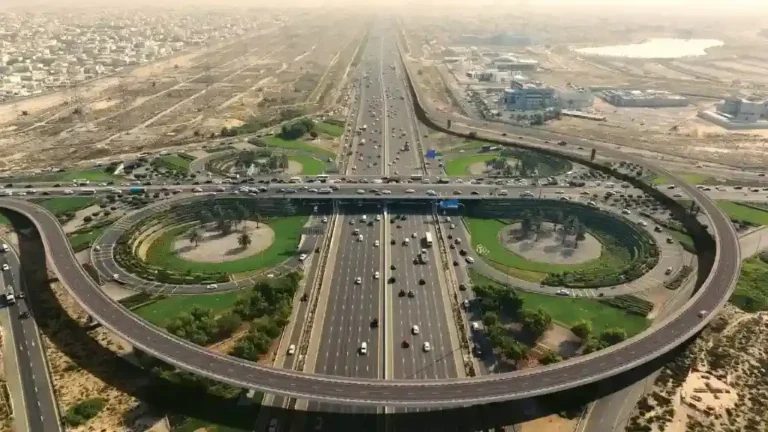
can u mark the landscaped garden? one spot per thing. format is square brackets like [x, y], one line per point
[208, 241]
[479, 160]
[505, 235]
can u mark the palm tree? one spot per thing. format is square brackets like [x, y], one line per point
[558, 220]
[570, 221]
[526, 223]
[244, 239]
[257, 218]
[242, 214]
[194, 237]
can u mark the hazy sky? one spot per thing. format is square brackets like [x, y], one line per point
[741, 6]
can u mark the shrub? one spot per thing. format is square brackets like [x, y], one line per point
[83, 411]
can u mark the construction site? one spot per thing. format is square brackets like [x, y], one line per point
[289, 68]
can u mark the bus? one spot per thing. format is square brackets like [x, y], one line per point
[322, 178]
[428, 239]
[417, 177]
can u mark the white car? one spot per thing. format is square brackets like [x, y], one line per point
[302, 257]
[378, 217]
[386, 192]
[358, 280]
[410, 191]
[426, 347]
[415, 330]
[360, 191]
[197, 190]
[5, 267]
[414, 235]
[376, 243]
[470, 260]
[325, 219]
[376, 275]
[364, 348]
[211, 287]
[292, 349]
[563, 292]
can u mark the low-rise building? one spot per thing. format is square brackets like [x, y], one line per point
[527, 96]
[643, 98]
[744, 110]
[575, 99]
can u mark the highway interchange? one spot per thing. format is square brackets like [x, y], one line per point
[358, 386]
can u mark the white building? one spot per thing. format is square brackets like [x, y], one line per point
[644, 98]
[744, 110]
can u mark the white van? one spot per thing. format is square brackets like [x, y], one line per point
[364, 348]
[360, 238]
[5, 247]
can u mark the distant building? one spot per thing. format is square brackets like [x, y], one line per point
[527, 96]
[490, 75]
[509, 62]
[744, 110]
[575, 99]
[643, 98]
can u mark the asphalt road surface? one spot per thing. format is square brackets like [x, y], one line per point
[39, 402]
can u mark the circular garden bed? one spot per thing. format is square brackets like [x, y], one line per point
[202, 242]
[628, 251]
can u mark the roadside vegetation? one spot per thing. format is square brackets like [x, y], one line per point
[744, 214]
[515, 320]
[60, 206]
[751, 294]
[178, 163]
[83, 411]
[99, 174]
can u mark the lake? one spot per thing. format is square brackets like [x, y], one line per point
[656, 48]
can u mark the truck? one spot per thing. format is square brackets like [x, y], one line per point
[87, 191]
[136, 190]
[428, 239]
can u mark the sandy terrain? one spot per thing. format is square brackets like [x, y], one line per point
[549, 247]
[217, 248]
[552, 423]
[477, 168]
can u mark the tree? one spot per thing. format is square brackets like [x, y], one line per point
[242, 213]
[257, 218]
[526, 224]
[558, 220]
[194, 237]
[536, 322]
[244, 240]
[513, 350]
[490, 319]
[613, 335]
[537, 223]
[550, 357]
[228, 324]
[582, 329]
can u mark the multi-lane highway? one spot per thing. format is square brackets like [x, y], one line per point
[413, 393]
[39, 402]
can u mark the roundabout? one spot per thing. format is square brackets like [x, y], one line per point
[507, 162]
[205, 244]
[551, 246]
[561, 244]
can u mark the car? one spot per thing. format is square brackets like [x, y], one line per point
[364, 348]
[24, 314]
[292, 349]
[405, 343]
[414, 235]
[360, 191]
[358, 280]
[469, 260]
[378, 218]
[668, 271]
[563, 292]
[703, 313]
[325, 219]
[409, 191]
[426, 347]
[6, 267]
[422, 282]
[475, 326]
[457, 241]
[374, 322]
[401, 293]
[455, 263]
[211, 287]
[376, 275]
[415, 330]
[302, 257]
[351, 222]
[376, 243]
[452, 246]
[462, 286]
[411, 294]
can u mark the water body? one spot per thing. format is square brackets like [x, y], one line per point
[656, 48]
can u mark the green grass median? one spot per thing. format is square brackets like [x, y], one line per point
[162, 311]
